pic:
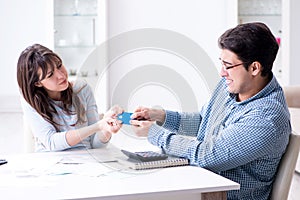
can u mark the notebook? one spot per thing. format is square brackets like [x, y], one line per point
[139, 165]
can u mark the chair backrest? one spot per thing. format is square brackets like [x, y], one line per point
[292, 95]
[29, 145]
[286, 169]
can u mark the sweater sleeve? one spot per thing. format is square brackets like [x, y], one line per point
[45, 134]
[88, 99]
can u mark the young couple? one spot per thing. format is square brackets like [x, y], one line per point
[241, 133]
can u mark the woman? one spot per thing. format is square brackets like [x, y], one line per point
[61, 114]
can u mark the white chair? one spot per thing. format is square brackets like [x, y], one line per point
[29, 143]
[284, 176]
[292, 95]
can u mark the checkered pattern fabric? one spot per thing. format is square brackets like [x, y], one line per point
[242, 141]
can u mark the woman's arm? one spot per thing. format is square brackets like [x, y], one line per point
[104, 128]
[101, 135]
[45, 134]
[48, 139]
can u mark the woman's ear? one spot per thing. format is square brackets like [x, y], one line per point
[38, 84]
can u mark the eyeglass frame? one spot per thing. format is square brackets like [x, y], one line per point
[230, 65]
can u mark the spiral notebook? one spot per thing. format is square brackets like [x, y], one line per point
[169, 162]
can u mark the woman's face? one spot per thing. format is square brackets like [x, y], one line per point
[55, 81]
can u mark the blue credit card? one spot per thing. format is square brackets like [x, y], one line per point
[125, 117]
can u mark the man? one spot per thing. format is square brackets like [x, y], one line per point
[242, 132]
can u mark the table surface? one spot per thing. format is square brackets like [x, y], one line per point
[95, 174]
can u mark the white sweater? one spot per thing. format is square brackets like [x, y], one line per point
[45, 134]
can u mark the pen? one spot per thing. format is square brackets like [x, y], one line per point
[3, 161]
[108, 161]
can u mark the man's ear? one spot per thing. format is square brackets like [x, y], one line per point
[256, 68]
[38, 84]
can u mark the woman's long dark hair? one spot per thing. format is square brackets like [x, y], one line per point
[32, 59]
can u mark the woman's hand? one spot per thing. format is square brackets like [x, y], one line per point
[108, 126]
[113, 112]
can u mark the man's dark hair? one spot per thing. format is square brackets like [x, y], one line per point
[251, 42]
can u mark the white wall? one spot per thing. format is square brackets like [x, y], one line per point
[22, 24]
[131, 45]
[290, 42]
[202, 21]
[199, 21]
[159, 54]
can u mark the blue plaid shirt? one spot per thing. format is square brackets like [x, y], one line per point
[242, 141]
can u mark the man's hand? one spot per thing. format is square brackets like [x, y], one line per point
[141, 128]
[150, 114]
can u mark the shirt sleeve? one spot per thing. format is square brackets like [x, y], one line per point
[246, 140]
[182, 123]
[250, 137]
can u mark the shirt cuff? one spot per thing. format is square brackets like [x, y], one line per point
[172, 121]
[61, 136]
[97, 143]
[155, 134]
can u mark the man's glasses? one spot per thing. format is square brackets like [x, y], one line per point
[227, 65]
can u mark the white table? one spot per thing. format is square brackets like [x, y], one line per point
[46, 180]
